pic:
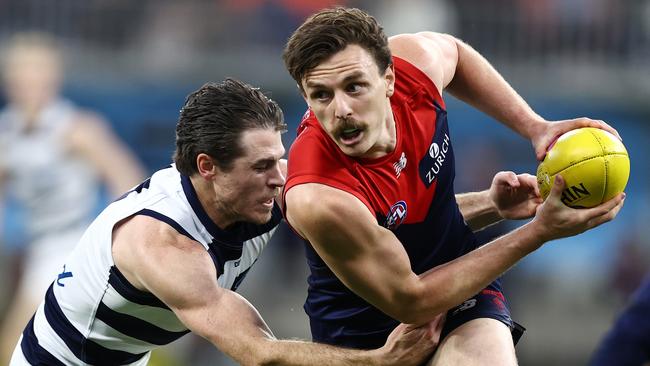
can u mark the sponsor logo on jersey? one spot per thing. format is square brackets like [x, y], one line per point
[62, 275]
[400, 164]
[396, 215]
[435, 159]
[439, 155]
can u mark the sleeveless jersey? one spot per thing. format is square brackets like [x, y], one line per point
[92, 315]
[58, 190]
[409, 191]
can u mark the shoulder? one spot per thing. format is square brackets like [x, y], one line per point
[149, 252]
[435, 54]
[147, 237]
[314, 206]
[337, 224]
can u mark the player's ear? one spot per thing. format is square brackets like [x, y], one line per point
[389, 78]
[206, 166]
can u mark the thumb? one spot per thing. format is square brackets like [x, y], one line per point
[540, 152]
[558, 187]
[513, 179]
[505, 178]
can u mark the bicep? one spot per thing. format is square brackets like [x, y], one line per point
[366, 257]
[180, 272]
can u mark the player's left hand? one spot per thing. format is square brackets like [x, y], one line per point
[551, 130]
[515, 196]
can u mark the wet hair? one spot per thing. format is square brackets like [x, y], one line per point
[330, 31]
[214, 118]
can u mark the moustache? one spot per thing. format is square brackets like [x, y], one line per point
[347, 123]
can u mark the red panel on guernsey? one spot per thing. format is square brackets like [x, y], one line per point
[315, 158]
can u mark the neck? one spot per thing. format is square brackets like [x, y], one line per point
[210, 203]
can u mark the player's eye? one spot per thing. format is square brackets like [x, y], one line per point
[262, 167]
[320, 95]
[353, 88]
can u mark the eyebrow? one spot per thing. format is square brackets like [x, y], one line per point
[265, 160]
[353, 76]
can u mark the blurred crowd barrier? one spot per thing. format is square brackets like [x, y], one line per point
[539, 44]
[135, 62]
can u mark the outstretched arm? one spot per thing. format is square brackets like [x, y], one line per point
[372, 262]
[455, 66]
[187, 283]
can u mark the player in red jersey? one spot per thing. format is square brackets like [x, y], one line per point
[370, 189]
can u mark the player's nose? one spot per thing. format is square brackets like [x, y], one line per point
[342, 108]
[277, 179]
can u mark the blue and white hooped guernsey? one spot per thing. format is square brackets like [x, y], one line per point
[92, 315]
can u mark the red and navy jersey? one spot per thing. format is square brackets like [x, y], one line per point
[409, 191]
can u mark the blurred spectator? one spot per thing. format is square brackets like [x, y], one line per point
[53, 157]
[410, 16]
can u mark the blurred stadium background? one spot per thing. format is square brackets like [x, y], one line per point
[134, 61]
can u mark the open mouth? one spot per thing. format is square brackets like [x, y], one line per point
[350, 136]
[268, 203]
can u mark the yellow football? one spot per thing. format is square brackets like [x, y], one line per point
[593, 162]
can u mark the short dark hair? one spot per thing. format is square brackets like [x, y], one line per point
[330, 31]
[214, 118]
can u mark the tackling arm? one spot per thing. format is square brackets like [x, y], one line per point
[187, 283]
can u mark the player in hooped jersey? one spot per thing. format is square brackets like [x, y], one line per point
[166, 258]
[370, 188]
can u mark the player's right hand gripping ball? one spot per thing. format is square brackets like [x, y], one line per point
[593, 162]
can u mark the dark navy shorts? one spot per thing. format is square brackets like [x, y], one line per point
[489, 303]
